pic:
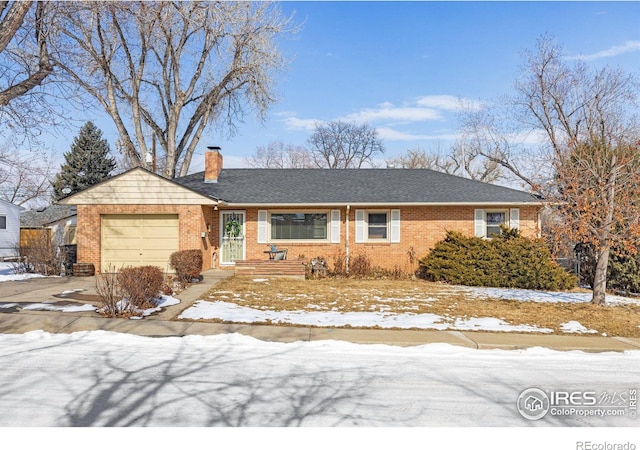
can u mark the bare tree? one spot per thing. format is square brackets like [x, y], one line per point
[490, 141]
[278, 155]
[587, 129]
[344, 145]
[458, 161]
[25, 177]
[170, 69]
[28, 71]
[24, 66]
[590, 121]
[415, 159]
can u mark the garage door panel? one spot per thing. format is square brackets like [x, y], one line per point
[137, 240]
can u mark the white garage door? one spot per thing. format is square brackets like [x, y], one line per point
[138, 240]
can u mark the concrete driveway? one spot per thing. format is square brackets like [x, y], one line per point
[47, 289]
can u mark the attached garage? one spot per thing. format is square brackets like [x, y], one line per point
[138, 218]
[139, 240]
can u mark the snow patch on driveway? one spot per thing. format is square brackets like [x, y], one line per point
[7, 273]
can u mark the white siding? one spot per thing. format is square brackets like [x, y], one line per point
[137, 187]
[10, 237]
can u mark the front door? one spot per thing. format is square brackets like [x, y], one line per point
[232, 228]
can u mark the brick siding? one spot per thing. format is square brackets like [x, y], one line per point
[192, 220]
[420, 228]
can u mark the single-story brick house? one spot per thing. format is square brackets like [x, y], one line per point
[138, 217]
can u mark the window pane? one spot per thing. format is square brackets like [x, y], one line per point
[378, 219]
[496, 218]
[377, 232]
[3, 222]
[298, 226]
[377, 226]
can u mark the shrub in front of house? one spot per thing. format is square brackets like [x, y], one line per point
[508, 260]
[140, 285]
[187, 264]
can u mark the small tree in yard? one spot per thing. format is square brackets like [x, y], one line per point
[87, 163]
[599, 183]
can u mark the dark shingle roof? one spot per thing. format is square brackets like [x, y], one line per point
[47, 216]
[353, 186]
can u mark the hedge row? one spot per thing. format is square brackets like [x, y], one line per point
[508, 260]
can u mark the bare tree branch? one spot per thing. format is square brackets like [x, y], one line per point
[344, 145]
[171, 69]
[31, 79]
[277, 155]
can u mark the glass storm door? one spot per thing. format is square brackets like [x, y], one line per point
[232, 228]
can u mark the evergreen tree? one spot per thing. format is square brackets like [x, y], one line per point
[87, 163]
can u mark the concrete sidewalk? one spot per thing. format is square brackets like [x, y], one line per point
[162, 325]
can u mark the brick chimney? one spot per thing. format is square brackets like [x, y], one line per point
[212, 164]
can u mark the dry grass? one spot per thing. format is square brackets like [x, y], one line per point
[417, 296]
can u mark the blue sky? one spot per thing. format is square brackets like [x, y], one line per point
[403, 66]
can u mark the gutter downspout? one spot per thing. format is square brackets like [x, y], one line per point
[346, 258]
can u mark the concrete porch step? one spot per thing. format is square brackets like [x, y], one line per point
[257, 267]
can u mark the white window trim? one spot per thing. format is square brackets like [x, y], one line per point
[393, 226]
[6, 222]
[299, 241]
[366, 225]
[512, 219]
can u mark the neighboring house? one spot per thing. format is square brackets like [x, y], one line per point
[9, 229]
[138, 217]
[58, 220]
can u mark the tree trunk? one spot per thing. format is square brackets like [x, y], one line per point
[600, 277]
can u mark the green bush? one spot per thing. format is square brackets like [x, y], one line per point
[508, 260]
[187, 264]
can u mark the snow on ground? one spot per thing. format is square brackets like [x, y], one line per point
[528, 295]
[574, 326]
[7, 273]
[105, 379]
[52, 306]
[70, 307]
[162, 302]
[232, 312]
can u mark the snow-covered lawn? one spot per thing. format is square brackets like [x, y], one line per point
[7, 273]
[405, 305]
[232, 312]
[108, 379]
[527, 295]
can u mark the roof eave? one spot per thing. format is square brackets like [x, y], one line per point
[378, 204]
